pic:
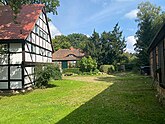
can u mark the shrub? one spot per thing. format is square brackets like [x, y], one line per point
[87, 64]
[71, 70]
[44, 73]
[107, 68]
[111, 69]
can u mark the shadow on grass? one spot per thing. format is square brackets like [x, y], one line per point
[51, 86]
[115, 107]
[105, 79]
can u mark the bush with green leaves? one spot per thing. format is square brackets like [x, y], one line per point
[87, 64]
[111, 69]
[44, 73]
[107, 68]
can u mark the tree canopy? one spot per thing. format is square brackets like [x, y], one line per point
[149, 19]
[51, 5]
[108, 47]
[75, 40]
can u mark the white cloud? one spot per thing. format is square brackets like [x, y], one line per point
[53, 30]
[105, 13]
[130, 42]
[132, 14]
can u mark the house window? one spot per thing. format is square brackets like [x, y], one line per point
[3, 72]
[40, 33]
[72, 64]
[44, 35]
[29, 47]
[3, 48]
[49, 54]
[70, 55]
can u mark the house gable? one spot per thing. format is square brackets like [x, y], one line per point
[26, 44]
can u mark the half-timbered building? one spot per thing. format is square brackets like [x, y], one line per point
[157, 60]
[24, 43]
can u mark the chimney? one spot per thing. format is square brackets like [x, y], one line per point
[71, 48]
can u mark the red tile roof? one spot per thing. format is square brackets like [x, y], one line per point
[68, 54]
[26, 21]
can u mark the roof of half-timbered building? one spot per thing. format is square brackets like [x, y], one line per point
[25, 21]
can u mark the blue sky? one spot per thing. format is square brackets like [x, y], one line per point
[83, 16]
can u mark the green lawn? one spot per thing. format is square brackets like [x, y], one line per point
[123, 98]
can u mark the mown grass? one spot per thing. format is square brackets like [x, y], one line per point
[123, 98]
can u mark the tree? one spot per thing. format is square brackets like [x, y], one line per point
[112, 46]
[51, 5]
[149, 19]
[77, 40]
[92, 47]
[118, 43]
[107, 48]
[61, 42]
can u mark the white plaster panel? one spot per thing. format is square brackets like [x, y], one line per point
[27, 80]
[3, 72]
[28, 57]
[32, 78]
[49, 60]
[37, 50]
[15, 72]
[39, 58]
[34, 57]
[43, 43]
[28, 70]
[37, 40]
[15, 84]
[38, 22]
[33, 38]
[16, 58]
[15, 47]
[46, 29]
[48, 39]
[41, 23]
[28, 38]
[41, 40]
[3, 85]
[48, 46]
[44, 59]
[44, 18]
[26, 48]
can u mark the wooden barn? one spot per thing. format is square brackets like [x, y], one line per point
[67, 58]
[24, 43]
[157, 60]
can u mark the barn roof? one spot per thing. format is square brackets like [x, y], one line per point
[68, 54]
[26, 20]
[158, 38]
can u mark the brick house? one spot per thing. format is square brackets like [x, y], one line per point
[67, 58]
